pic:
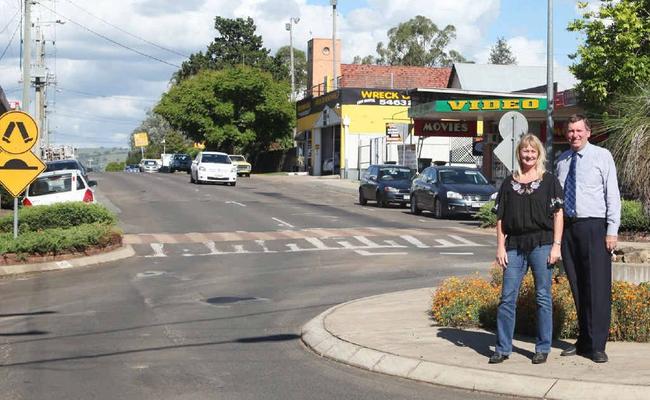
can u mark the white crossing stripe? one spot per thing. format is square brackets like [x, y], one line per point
[414, 241]
[367, 253]
[464, 241]
[317, 243]
[369, 243]
[157, 250]
[262, 244]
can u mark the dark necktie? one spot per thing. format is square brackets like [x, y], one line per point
[570, 188]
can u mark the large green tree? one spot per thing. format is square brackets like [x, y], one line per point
[283, 59]
[501, 53]
[157, 129]
[615, 55]
[236, 44]
[629, 140]
[238, 109]
[419, 42]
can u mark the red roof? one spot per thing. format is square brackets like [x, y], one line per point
[403, 77]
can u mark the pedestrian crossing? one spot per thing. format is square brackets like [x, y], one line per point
[365, 241]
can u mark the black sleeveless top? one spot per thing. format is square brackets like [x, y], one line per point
[526, 211]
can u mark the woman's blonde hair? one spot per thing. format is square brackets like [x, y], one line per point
[531, 140]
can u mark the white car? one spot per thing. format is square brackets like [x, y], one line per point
[213, 166]
[58, 187]
[149, 165]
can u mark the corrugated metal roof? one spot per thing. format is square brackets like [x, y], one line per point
[508, 78]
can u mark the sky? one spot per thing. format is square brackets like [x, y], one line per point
[112, 60]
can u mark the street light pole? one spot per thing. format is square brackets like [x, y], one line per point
[333, 3]
[550, 98]
[289, 27]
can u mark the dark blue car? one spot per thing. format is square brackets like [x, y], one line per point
[386, 183]
[447, 190]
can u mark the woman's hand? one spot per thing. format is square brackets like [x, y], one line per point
[555, 254]
[502, 256]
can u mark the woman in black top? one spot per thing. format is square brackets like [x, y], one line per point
[529, 232]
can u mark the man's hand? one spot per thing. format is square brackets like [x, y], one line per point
[610, 242]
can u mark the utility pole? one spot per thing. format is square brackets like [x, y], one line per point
[40, 79]
[334, 83]
[550, 95]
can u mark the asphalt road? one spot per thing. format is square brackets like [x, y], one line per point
[223, 279]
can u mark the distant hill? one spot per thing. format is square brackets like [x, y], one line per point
[97, 157]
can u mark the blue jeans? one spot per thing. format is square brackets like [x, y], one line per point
[518, 262]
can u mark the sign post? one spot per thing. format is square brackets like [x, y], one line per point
[512, 126]
[19, 167]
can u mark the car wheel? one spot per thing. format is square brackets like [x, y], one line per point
[232, 183]
[171, 170]
[438, 212]
[414, 206]
[362, 200]
[381, 203]
[192, 178]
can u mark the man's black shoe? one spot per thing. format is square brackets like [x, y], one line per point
[498, 358]
[599, 357]
[571, 351]
[540, 358]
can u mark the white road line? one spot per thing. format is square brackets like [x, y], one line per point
[465, 241]
[317, 243]
[282, 223]
[239, 249]
[367, 241]
[414, 241]
[394, 244]
[457, 254]
[367, 253]
[212, 247]
[157, 250]
[445, 243]
[262, 244]
[423, 220]
[237, 203]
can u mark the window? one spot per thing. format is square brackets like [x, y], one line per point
[387, 174]
[472, 177]
[238, 158]
[215, 159]
[51, 184]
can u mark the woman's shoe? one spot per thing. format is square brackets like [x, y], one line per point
[540, 358]
[498, 358]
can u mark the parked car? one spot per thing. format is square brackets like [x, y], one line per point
[58, 165]
[180, 162]
[243, 166]
[386, 183]
[59, 186]
[212, 166]
[149, 165]
[447, 190]
[132, 168]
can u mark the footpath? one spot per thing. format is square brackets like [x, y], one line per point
[393, 334]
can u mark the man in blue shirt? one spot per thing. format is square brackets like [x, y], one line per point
[592, 209]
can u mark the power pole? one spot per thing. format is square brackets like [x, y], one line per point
[27, 53]
[289, 27]
[40, 78]
[550, 95]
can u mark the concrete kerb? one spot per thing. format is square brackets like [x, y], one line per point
[319, 339]
[117, 254]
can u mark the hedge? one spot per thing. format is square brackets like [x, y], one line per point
[55, 241]
[61, 215]
[633, 218]
[471, 302]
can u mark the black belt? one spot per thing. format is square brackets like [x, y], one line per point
[574, 220]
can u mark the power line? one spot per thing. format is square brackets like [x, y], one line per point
[10, 41]
[147, 99]
[109, 39]
[9, 23]
[126, 32]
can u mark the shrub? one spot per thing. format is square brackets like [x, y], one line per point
[472, 302]
[115, 166]
[486, 216]
[61, 215]
[633, 217]
[59, 240]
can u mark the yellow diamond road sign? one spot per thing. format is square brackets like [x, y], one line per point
[18, 166]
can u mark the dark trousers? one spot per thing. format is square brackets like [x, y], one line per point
[588, 266]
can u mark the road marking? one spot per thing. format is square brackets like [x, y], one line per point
[239, 249]
[367, 241]
[262, 244]
[157, 250]
[456, 254]
[317, 243]
[237, 203]
[465, 241]
[423, 220]
[282, 223]
[367, 253]
[414, 241]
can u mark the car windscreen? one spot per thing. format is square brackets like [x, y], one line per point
[238, 158]
[471, 177]
[215, 159]
[57, 166]
[181, 157]
[395, 174]
[51, 184]
[150, 163]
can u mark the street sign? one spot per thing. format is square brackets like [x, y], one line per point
[512, 126]
[140, 139]
[18, 166]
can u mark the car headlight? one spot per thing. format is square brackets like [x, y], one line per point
[201, 168]
[454, 195]
[493, 196]
[390, 189]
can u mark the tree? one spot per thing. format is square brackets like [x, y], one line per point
[419, 42]
[157, 129]
[367, 60]
[501, 53]
[237, 44]
[616, 51]
[629, 140]
[283, 58]
[234, 109]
